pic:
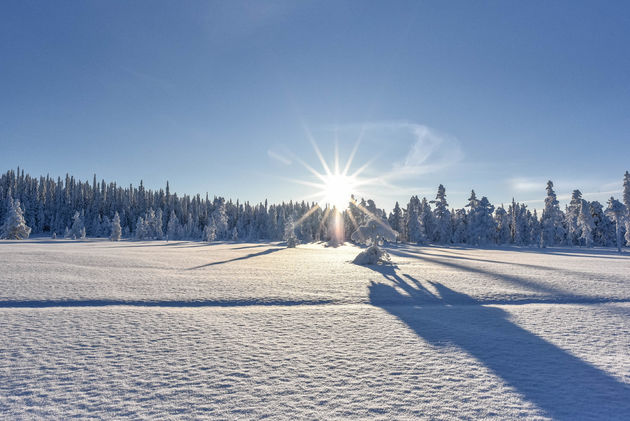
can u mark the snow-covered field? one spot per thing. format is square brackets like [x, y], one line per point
[175, 330]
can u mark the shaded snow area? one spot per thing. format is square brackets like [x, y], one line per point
[245, 331]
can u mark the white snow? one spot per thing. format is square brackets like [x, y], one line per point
[186, 330]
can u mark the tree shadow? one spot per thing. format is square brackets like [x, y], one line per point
[596, 252]
[562, 385]
[63, 303]
[249, 256]
[453, 256]
[554, 294]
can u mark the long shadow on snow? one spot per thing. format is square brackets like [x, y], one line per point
[603, 253]
[562, 385]
[158, 303]
[249, 256]
[416, 252]
[558, 294]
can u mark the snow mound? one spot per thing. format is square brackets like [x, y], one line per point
[373, 255]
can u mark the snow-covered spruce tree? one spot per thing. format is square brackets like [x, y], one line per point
[442, 217]
[460, 230]
[77, 226]
[502, 222]
[116, 230]
[220, 219]
[534, 229]
[571, 218]
[209, 233]
[173, 228]
[585, 224]
[487, 227]
[552, 229]
[481, 227]
[472, 228]
[289, 233]
[14, 226]
[395, 219]
[234, 234]
[604, 232]
[617, 212]
[518, 223]
[425, 215]
[415, 229]
[141, 232]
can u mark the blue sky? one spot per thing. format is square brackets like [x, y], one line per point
[223, 96]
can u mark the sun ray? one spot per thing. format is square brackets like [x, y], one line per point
[354, 221]
[371, 215]
[307, 214]
[324, 218]
[336, 154]
[318, 152]
[351, 157]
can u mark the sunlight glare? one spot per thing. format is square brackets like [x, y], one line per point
[337, 190]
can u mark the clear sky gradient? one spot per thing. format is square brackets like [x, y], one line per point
[221, 97]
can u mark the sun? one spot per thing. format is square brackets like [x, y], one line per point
[335, 186]
[338, 189]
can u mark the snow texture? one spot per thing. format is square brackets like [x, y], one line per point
[181, 330]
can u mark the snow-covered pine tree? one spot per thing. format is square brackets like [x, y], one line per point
[442, 217]
[116, 232]
[571, 218]
[414, 229]
[534, 229]
[77, 225]
[425, 215]
[502, 222]
[209, 232]
[220, 219]
[585, 224]
[289, 233]
[14, 226]
[141, 229]
[458, 223]
[552, 229]
[472, 226]
[604, 232]
[396, 220]
[487, 227]
[173, 228]
[617, 212]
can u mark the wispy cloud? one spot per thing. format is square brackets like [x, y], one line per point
[429, 151]
[278, 157]
[524, 184]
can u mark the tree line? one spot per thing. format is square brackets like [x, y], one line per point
[74, 209]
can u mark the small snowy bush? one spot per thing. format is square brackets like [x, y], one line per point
[373, 255]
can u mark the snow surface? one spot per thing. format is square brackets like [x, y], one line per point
[180, 330]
